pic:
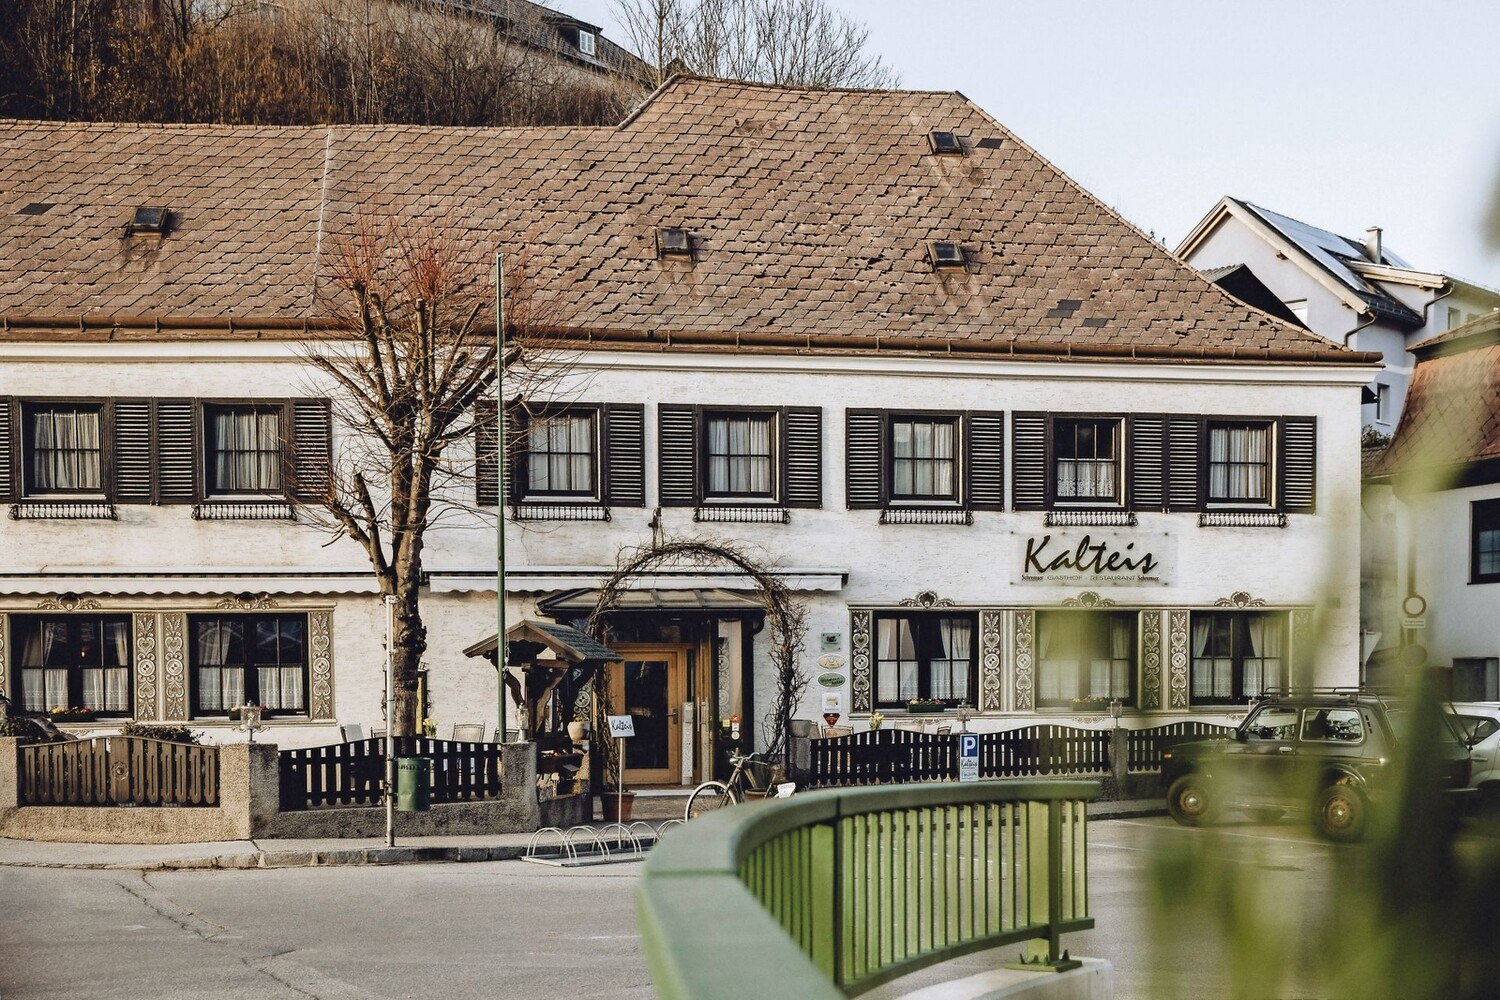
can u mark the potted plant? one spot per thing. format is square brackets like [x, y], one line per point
[62, 713]
[616, 804]
[578, 729]
[1089, 703]
[924, 705]
[877, 719]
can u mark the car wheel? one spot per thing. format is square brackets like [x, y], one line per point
[1340, 813]
[1191, 802]
[1265, 814]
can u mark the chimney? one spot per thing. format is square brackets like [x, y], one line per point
[1372, 244]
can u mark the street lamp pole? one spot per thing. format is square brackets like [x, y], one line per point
[390, 720]
[500, 463]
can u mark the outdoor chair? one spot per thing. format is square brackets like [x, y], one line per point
[910, 725]
[837, 731]
[943, 729]
[468, 732]
[377, 734]
[352, 733]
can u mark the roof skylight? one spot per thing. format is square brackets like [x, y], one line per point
[945, 255]
[676, 242]
[148, 220]
[946, 143]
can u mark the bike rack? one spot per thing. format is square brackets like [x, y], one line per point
[580, 846]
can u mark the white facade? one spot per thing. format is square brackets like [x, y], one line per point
[162, 567]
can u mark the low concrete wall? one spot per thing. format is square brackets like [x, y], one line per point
[250, 807]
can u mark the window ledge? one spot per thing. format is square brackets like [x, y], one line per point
[1241, 519]
[926, 515]
[541, 511]
[734, 514]
[1090, 518]
[62, 511]
[244, 511]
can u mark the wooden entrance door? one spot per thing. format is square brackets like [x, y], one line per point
[650, 683]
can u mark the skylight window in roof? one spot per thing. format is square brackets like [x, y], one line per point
[676, 242]
[945, 255]
[149, 220]
[946, 143]
[37, 208]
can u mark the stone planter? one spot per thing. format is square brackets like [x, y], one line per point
[616, 806]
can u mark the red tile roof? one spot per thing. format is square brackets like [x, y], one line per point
[1451, 419]
[810, 212]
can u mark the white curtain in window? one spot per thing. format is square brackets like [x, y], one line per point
[739, 450]
[247, 450]
[1238, 463]
[281, 688]
[1263, 657]
[896, 660]
[950, 663]
[43, 690]
[106, 689]
[1058, 655]
[561, 454]
[922, 455]
[1206, 670]
[220, 686]
[65, 452]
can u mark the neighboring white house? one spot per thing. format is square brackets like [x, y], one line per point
[1356, 292]
[1443, 467]
[1008, 451]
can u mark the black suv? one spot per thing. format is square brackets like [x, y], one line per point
[1334, 750]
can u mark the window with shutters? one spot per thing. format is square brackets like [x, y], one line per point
[739, 455]
[1484, 542]
[1085, 656]
[72, 661]
[1086, 467]
[1240, 463]
[561, 457]
[62, 449]
[924, 458]
[932, 657]
[255, 659]
[244, 449]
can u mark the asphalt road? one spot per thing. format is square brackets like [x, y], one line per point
[504, 929]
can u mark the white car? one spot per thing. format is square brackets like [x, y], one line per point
[1480, 724]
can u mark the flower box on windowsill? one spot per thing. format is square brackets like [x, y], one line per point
[72, 715]
[1091, 705]
[929, 707]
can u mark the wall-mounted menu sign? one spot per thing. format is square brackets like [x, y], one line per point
[1094, 557]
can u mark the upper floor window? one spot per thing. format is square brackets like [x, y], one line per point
[927, 656]
[1476, 678]
[1236, 655]
[72, 661]
[741, 455]
[562, 455]
[243, 449]
[586, 42]
[1239, 462]
[1086, 460]
[1484, 542]
[63, 447]
[1085, 655]
[1382, 403]
[255, 659]
[924, 458]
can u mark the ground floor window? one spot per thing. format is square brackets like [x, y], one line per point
[259, 659]
[72, 662]
[1085, 655]
[926, 656]
[1476, 679]
[1237, 655]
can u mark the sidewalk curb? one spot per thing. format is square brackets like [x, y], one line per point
[300, 859]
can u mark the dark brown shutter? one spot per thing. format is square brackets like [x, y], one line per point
[486, 458]
[1299, 464]
[133, 453]
[985, 460]
[312, 448]
[624, 459]
[864, 447]
[802, 456]
[1028, 448]
[177, 459]
[677, 455]
[1147, 441]
[1185, 471]
[8, 451]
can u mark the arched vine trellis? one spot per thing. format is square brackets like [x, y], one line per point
[786, 624]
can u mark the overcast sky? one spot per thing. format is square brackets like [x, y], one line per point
[1344, 114]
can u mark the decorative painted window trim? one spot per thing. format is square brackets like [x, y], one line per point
[1025, 659]
[1088, 599]
[737, 514]
[1177, 659]
[1239, 599]
[1150, 660]
[174, 666]
[238, 510]
[926, 515]
[926, 599]
[991, 682]
[860, 686]
[144, 625]
[42, 510]
[1241, 519]
[538, 511]
[1090, 519]
[320, 665]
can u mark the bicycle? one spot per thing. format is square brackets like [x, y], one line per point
[712, 795]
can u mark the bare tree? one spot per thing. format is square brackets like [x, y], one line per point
[794, 42]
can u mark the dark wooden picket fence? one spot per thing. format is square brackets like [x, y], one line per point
[1146, 745]
[894, 755]
[117, 771]
[350, 774]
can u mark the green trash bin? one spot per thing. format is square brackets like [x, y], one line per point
[413, 784]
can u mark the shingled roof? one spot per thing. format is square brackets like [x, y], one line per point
[1450, 424]
[810, 213]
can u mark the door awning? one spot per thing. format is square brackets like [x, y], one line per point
[581, 602]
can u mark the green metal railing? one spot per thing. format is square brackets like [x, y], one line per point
[834, 892]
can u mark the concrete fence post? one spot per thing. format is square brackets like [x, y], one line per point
[518, 785]
[249, 787]
[10, 782]
[1119, 760]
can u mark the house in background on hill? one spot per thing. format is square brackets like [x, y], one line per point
[1356, 292]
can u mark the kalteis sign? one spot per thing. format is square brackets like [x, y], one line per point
[1094, 557]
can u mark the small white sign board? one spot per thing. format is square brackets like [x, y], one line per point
[1414, 622]
[968, 756]
[621, 726]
